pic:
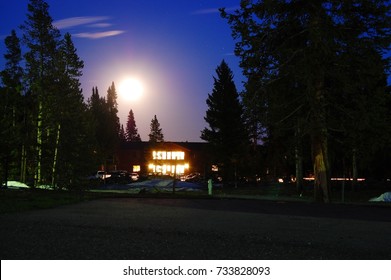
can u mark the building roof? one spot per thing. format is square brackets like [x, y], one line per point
[144, 145]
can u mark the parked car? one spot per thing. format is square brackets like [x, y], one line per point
[134, 176]
[119, 177]
[102, 175]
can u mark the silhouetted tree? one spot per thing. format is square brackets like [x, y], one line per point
[293, 54]
[227, 132]
[41, 39]
[113, 120]
[122, 135]
[103, 116]
[71, 158]
[96, 120]
[11, 108]
[156, 134]
[131, 132]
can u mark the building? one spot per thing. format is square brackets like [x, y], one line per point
[164, 158]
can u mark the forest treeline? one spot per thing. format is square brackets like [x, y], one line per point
[50, 135]
[316, 88]
[315, 100]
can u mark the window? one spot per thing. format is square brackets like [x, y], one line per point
[164, 155]
[136, 168]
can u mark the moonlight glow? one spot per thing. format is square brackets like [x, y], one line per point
[131, 89]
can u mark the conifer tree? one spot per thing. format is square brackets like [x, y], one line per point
[296, 56]
[122, 134]
[11, 109]
[156, 134]
[106, 126]
[227, 132]
[41, 39]
[113, 124]
[131, 132]
[71, 145]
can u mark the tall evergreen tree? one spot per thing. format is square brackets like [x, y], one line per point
[292, 53]
[227, 132]
[106, 126]
[41, 39]
[156, 134]
[131, 132]
[113, 124]
[122, 134]
[70, 149]
[95, 105]
[11, 108]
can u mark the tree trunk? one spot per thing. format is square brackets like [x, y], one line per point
[321, 185]
[299, 159]
[55, 156]
[320, 147]
[23, 164]
[316, 87]
[354, 168]
[37, 176]
[6, 166]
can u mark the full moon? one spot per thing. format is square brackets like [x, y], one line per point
[131, 89]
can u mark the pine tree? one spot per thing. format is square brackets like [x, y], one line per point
[122, 134]
[131, 132]
[11, 109]
[294, 56]
[41, 39]
[100, 120]
[226, 134]
[71, 157]
[106, 126]
[113, 124]
[95, 107]
[156, 134]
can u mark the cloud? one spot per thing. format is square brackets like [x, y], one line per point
[213, 10]
[88, 22]
[77, 21]
[100, 25]
[98, 35]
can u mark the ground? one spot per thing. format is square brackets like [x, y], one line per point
[197, 228]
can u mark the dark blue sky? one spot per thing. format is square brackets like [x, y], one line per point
[172, 46]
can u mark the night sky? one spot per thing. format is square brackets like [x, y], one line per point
[172, 47]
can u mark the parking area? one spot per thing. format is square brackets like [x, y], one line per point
[150, 228]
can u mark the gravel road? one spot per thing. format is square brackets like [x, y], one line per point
[147, 228]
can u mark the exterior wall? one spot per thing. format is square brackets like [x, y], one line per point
[167, 161]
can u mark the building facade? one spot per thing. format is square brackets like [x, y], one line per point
[164, 158]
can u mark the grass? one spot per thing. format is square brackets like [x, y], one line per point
[33, 199]
[12, 201]
[277, 191]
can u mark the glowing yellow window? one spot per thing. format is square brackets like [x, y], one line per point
[136, 168]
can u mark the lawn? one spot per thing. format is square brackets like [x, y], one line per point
[30, 199]
[16, 200]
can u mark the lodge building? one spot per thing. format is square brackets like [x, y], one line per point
[164, 158]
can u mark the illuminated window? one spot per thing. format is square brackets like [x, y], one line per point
[178, 155]
[163, 155]
[166, 169]
[136, 168]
